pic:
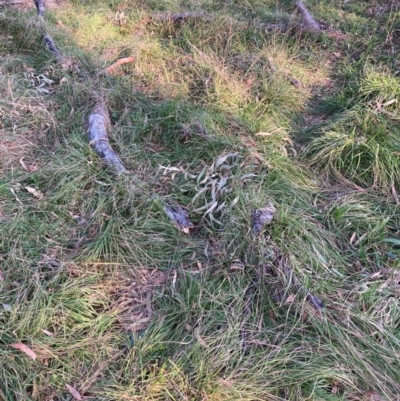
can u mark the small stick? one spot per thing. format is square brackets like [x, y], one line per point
[99, 122]
[111, 69]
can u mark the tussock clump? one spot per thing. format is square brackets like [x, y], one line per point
[360, 143]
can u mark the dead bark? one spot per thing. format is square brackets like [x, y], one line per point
[99, 123]
[111, 69]
[308, 22]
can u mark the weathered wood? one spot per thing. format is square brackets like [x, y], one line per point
[111, 69]
[308, 22]
[99, 124]
[40, 7]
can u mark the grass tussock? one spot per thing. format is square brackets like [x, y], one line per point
[222, 117]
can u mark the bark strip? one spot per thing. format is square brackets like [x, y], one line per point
[99, 123]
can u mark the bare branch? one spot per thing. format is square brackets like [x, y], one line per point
[99, 123]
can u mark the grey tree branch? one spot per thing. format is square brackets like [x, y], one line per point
[40, 7]
[51, 45]
[308, 22]
[99, 123]
[178, 18]
[10, 2]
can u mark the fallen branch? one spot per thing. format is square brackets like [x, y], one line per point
[180, 217]
[99, 123]
[178, 18]
[308, 22]
[51, 45]
[11, 2]
[48, 40]
[111, 69]
[40, 7]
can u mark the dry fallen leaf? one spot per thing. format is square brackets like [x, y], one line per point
[35, 192]
[24, 348]
[74, 392]
[290, 298]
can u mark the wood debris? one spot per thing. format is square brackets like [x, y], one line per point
[99, 123]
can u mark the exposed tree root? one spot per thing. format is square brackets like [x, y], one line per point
[99, 123]
[112, 68]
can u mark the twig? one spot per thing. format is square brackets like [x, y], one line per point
[99, 122]
[111, 69]
[308, 22]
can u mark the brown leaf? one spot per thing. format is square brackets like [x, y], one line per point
[74, 392]
[290, 298]
[35, 192]
[337, 54]
[24, 348]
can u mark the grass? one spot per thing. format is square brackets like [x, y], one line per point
[221, 117]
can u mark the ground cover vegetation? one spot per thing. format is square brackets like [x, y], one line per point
[102, 297]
